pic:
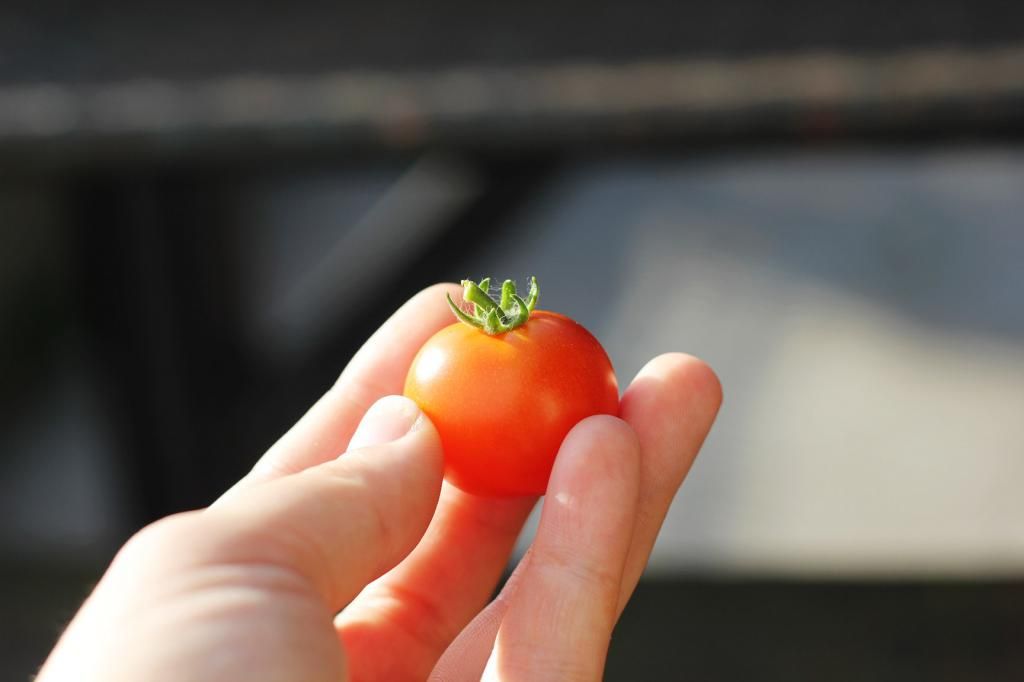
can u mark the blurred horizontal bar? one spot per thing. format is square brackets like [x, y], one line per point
[119, 40]
[416, 106]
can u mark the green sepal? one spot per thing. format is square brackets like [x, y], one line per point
[532, 295]
[472, 293]
[462, 314]
[485, 286]
[522, 312]
[493, 324]
[508, 290]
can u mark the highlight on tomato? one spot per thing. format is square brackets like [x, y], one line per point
[504, 385]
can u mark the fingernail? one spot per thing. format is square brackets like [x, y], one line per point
[388, 419]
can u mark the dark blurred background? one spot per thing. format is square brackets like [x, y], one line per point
[204, 212]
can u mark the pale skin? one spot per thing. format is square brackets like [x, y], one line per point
[344, 556]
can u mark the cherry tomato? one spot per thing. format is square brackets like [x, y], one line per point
[504, 398]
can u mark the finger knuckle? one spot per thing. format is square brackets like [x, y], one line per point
[159, 539]
[562, 560]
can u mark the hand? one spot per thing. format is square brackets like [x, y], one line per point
[251, 588]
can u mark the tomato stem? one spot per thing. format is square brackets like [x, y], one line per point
[495, 317]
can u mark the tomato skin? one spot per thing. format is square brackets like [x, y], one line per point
[503, 404]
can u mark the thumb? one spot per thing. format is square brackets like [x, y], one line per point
[344, 523]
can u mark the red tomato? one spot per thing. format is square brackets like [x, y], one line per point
[503, 403]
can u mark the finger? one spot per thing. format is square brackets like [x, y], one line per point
[466, 657]
[422, 605]
[671, 405]
[343, 523]
[561, 618]
[376, 370]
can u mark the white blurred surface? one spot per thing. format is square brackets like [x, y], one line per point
[863, 314]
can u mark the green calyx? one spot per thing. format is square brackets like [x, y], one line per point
[495, 317]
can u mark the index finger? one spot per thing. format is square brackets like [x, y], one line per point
[376, 370]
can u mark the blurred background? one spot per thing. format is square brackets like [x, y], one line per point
[203, 213]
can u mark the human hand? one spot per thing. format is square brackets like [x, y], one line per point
[250, 588]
